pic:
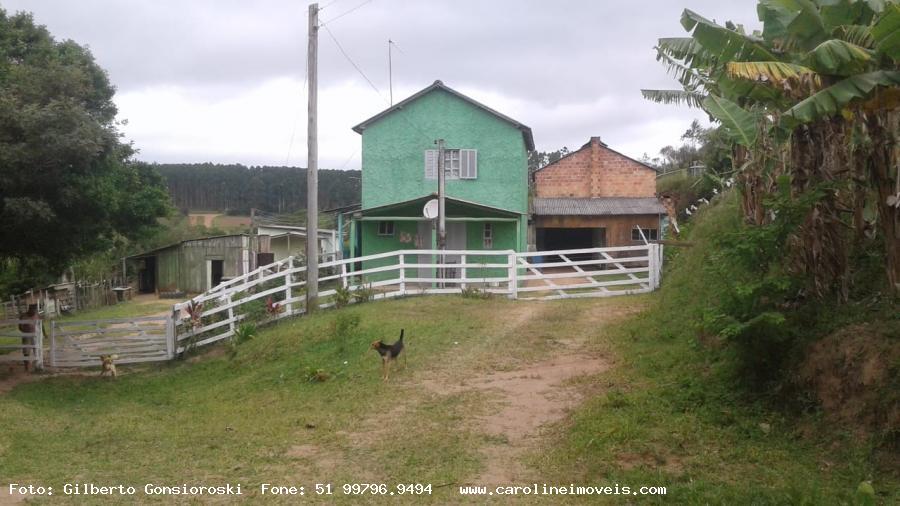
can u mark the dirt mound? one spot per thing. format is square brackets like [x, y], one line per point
[854, 375]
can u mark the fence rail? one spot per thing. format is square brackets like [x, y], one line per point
[17, 345]
[277, 290]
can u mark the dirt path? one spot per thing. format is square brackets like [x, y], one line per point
[523, 396]
[205, 219]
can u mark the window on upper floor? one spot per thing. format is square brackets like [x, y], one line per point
[458, 163]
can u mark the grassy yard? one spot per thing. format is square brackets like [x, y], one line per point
[128, 309]
[655, 413]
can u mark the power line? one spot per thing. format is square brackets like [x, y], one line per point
[341, 48]
[344, 14]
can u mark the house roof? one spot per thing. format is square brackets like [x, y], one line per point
[294, 229]
[603, 206]
[424, 198]
[602, 145]
[439, 85]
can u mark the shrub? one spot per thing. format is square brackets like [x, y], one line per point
[242, 334]
[473, 292]
[342, 329]
[364, 293]
[342, 296]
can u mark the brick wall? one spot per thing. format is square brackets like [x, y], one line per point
[595, 171]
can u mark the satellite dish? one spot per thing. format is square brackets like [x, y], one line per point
[430, 210]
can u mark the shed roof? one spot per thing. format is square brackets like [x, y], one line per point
[154, 251]
[439, 85]
[602, 206]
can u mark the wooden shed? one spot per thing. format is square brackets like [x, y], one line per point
[196, 265]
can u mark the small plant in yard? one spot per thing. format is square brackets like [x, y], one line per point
[242, 334]
[342, 296]
[273, 308]
[314, 375]
[473, 292]
[195, 311]
[342, 329]
[364, 293]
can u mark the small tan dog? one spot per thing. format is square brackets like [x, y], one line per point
[108, 364]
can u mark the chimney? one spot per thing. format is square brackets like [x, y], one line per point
[596, 183]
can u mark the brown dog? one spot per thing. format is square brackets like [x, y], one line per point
[389, 353]
[107, 362]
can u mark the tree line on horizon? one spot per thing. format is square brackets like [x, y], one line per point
[235, 188]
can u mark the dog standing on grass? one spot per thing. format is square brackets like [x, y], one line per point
[108, 364]
[388, 352]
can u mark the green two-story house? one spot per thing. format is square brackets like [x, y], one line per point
[486, 167]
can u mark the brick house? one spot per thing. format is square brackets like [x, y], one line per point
[595, 197]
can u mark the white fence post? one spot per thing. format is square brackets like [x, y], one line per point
[288, 293]
[170, 334]
[344, 275]
[462, 272]
[651, 265]
[659, 263]
[513, 276]
[39, 344]
[230, 314]
[402, 274]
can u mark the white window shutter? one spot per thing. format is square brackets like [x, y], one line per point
[469, 163]
[431, 164]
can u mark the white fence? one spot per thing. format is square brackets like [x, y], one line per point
[19, 346]
[278, 290]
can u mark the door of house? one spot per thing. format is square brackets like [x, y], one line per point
[215, 270]
[456, 240]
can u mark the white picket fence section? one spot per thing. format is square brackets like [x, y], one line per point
[18, 346]
[278, 290]
[132, 340]
[592, 272]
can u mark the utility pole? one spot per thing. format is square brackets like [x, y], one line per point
[442, 219]
[390, 74]
[312, 169]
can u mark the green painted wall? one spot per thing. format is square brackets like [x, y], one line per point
[393, 154]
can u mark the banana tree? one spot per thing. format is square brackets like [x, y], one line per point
[815, 95]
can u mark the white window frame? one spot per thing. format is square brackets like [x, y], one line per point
[388, 225]
[458, 164]
[487, 235]
[652, 234]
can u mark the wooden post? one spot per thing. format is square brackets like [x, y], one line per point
[651, 254]
[53, 343]
[38, 344]
[513, 276]
[402, 274]
[312, 170]
[344, 280]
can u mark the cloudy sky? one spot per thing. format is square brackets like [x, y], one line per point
[223, 80]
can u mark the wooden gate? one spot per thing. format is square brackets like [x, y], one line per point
[132, 340]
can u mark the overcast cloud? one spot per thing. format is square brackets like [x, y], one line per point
[222, 81]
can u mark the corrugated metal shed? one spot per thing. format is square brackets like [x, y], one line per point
[603, 206]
